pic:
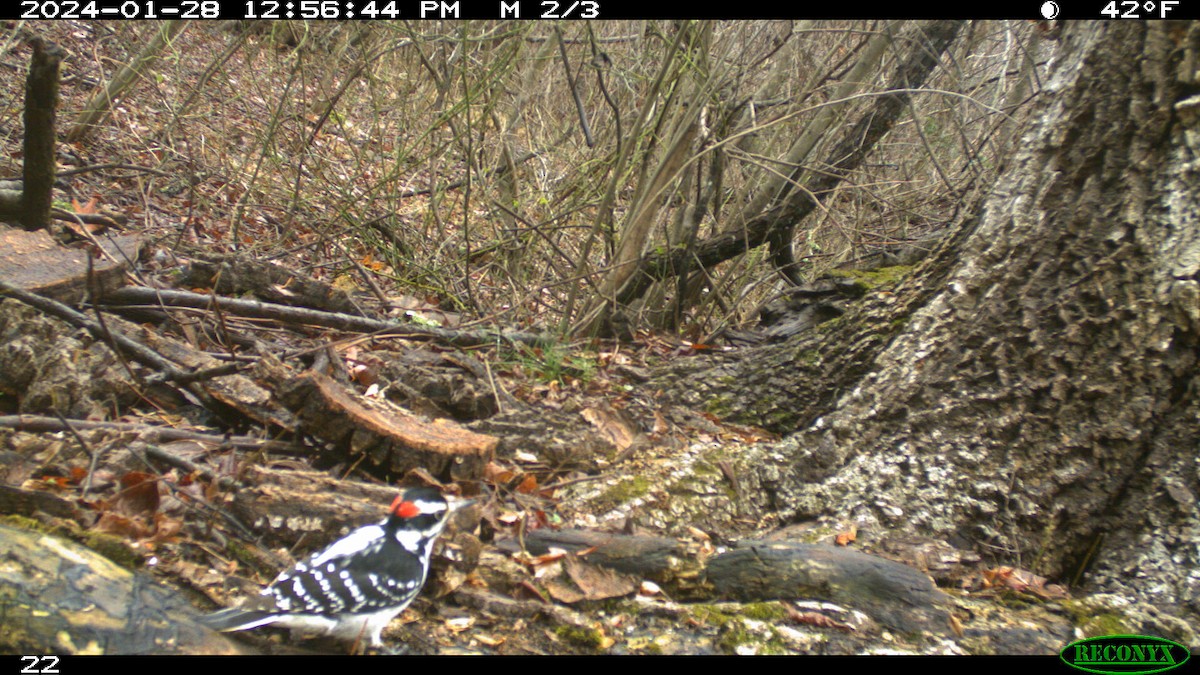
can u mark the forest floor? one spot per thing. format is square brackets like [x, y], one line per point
[558, 436]
[160, 505]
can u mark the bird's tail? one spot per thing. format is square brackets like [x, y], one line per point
[236, 618]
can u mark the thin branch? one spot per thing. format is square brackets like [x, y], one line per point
[150, 433]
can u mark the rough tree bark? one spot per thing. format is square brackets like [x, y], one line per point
[1030, 391]
[41, 100]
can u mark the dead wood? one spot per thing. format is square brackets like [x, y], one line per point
[41, 100]
[388, 436]
[241, 394]
[438, 383]
[62, 598]
[33, 261]
[238, 275]
[152, 434]
[896, 595]
[301, 316]
[205, 378]
[660, 559]
[30, 503]
[133, 350]
[307, 508]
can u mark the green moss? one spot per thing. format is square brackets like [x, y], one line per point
[31, 525]
[831, 325]
[765, 611]
[809, 357]
[698, 484]
[115, 549]
[588, 638]
[1096, 621]
[875, 279]
[778, 419]
[734, 623]
[624, 492]
[719, 405]
[1016, 600]
[774, 647]
[734, 635]
[647, 644]
[1105, 624]
[977, 646]
[24, 523]
[711, 616]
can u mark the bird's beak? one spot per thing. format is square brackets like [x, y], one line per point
[458, 503]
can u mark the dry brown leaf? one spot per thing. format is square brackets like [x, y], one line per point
[363, 373]
[956, 626]
[1021, 581]
[562, 590]
[138, 495]
[529, 485]
[816, 619]
[122, 526]
[660, 424]
[613, 425]
[590, 582]
[495, 473]
[533, 591]
[166, 528]
[510, 517]
[88, 208]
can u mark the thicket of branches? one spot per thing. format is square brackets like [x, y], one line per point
[518, 170]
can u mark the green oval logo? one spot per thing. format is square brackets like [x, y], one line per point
[1125, 654]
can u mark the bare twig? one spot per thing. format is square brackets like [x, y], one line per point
[300, 315]
[571, 84]
[95, 456]
[153, 434]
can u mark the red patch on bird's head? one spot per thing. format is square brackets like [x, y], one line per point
[405, 509]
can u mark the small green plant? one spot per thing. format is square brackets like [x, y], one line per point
[555, 363]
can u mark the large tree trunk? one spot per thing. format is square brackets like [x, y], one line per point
[1031, 390]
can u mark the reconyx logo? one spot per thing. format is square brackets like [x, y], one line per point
[1125, 654]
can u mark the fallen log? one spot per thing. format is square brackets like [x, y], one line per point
[389, 436]
[61, 598]
[895, 595]
[299, 315]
